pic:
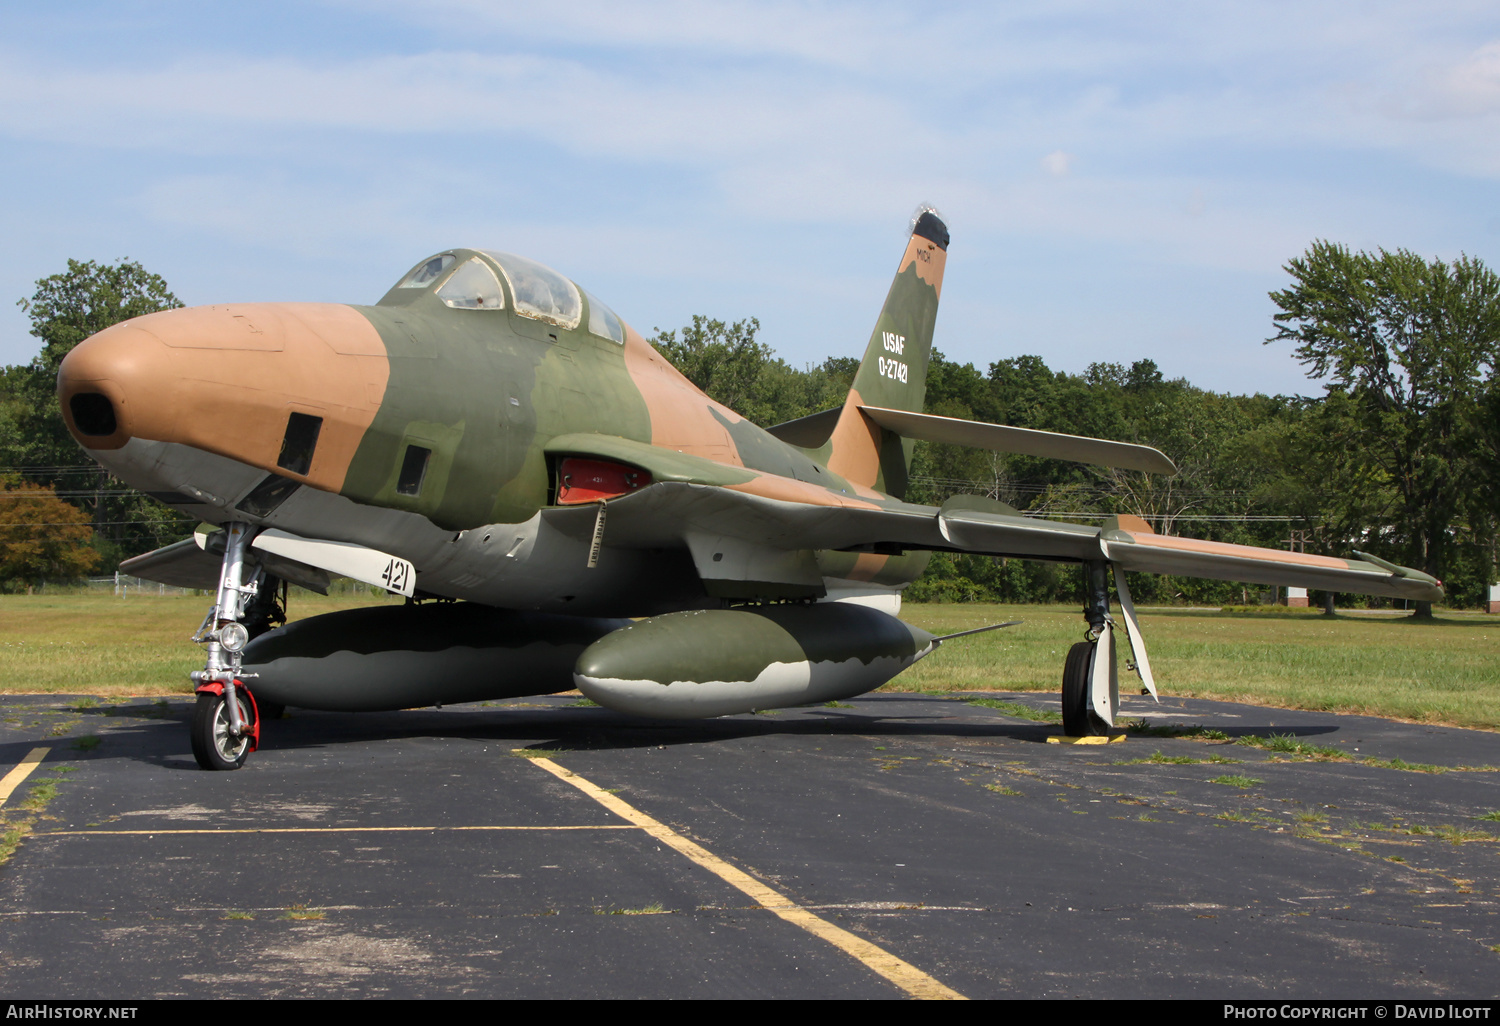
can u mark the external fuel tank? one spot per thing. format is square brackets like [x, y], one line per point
[401, 657]
[716, 662]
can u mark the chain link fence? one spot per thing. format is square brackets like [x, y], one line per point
[124, 585]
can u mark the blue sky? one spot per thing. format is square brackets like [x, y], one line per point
[1122, 180]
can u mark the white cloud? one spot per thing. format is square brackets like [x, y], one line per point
[1057, 163]
[1207, 137]
[1468, 89]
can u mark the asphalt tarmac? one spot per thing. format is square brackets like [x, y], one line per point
[891, 846]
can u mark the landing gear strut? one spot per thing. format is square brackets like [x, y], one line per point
[1090, 686]
[1091, 682]
[226, 726]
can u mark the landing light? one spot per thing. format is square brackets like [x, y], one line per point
[234, 637]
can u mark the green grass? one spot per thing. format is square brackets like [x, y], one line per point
[1016, 709]
[100, 645]
[1286, 744]
[1442, 671]
[1234, 780]
[1176, 760]
[18, 818]
[1159, 758]
[654, 909]
[303, 912]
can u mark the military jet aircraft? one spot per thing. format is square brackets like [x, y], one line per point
[491, 433]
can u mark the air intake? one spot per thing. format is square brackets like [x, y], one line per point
[93, 414]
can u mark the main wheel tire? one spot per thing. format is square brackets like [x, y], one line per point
[213, 746]
[1078, 721]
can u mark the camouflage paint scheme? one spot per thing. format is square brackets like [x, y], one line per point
[198, 408]
[763, 658]
[363, 660]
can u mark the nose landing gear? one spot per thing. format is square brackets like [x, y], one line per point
[216, 745]
[226, 722]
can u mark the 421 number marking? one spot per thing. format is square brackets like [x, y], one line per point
[397, 576]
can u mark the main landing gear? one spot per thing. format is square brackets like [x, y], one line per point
[226, 722]
[1091, 682]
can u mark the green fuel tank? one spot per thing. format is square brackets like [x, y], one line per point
[720, 661]
[402, 657]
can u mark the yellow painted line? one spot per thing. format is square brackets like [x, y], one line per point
[1056, 740]
[903, 974]
[313, 830]
[12, 780]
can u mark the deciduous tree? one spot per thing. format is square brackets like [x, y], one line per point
[42, 537]
[65, 309]
[1410, 347]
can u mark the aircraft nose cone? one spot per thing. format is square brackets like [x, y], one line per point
[225, 379]
[103, 377]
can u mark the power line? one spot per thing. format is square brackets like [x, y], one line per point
[110, 523]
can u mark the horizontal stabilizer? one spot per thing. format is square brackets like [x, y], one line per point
[1025, 441]
[808, 432]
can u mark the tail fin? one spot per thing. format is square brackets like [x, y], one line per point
[893, 373]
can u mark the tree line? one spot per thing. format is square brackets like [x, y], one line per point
[1398, 457]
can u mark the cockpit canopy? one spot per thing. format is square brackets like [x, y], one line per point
[537, 291]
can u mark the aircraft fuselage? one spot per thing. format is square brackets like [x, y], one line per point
[421, 429]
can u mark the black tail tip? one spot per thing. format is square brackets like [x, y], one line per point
[929, 226]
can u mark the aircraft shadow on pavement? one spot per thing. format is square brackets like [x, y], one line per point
[158, 735]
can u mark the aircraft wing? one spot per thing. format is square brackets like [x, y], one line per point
[182, 564]
[669, 514]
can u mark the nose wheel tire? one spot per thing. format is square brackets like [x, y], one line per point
[1078, 719]
[214, 746]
